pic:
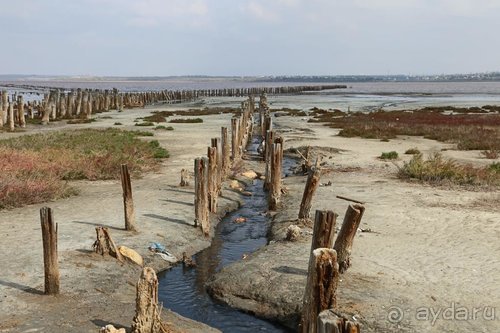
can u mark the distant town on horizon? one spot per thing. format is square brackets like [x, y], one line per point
[487, 76]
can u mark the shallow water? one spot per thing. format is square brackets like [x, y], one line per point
[183, 289]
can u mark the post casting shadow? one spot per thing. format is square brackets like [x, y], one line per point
[21, 287]
[168, 219]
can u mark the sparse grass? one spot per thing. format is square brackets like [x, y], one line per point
[145, 124]
[105, 117]
[142, 133]
[36, 168]
[437, 170]
[392, 155]
[117, 124]
[164, 128]
[186, 120]
[80, 121]
[469, 129]
[495, 167]
[412, 151]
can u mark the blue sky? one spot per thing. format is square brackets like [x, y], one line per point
[248, 37]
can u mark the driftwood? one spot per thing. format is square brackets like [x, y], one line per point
[331, 322]
[128, 201]
[349, 199]
[147, 311]
[312, 184]
[343, 243]
[49, 239]
[104, 244]
[321, 288]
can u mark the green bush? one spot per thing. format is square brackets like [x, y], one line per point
[187, 120]
[392, 155]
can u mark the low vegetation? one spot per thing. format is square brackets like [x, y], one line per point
[438, 170]
[164, 128]
[412, 151]
[80, 121]
[468, 128]
[37, 168]
[145, 124]
[186, 120]
[392, 155]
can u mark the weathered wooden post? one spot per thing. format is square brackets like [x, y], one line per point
[345, 239]
[20, 111]
[3, 107]
[321, 287]
[128, 201]
[234, 138]
[226, 154]
[201, 194]
[147, 317]
[216, 143]
[267, 158]
[104, 244]
[212, 179]
[184, 178]
[312, 184]
[323, 229]
[275, 182]
[11, 116]
[49, 239]
[331, 322]
[46, 109]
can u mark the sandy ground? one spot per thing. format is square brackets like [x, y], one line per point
[430, 264]
[97, 290]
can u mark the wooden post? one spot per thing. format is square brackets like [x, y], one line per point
[128, 201]
[184, 178]
[234, 138]
[147, 317]
[343, 243]
[11, 116]
[201, 194]
[226, 154]
[275, 181]
[3, 107]
[312, 184]
[267, 157]
[324, 229]
[49, 239]
[216, 143]
[212, 179]
[331, 322]
[321, 287]
[20, 111]
[104, 244]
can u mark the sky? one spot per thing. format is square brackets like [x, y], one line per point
[248, 37]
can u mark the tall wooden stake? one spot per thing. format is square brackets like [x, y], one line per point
[275, 183]
[128, 201]
[321, 288]
[345, 239]
[212, 179]
[49, 239]
[201, 194]
[312, 184]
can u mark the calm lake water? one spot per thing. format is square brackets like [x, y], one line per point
[358, 96]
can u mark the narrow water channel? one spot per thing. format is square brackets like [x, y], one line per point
[183, 289]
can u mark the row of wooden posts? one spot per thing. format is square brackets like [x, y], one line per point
[211, 171]
[327, 259]
[82, 103]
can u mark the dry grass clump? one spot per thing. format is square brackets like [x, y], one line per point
[36, 168]
[391, 155]
[438, 170]
[412, 151]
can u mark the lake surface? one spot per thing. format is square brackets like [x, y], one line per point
[358, 96]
